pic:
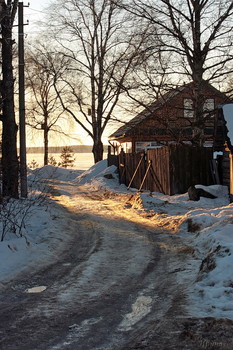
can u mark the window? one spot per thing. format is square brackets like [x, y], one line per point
[208, 105]
[188, 108]
[142, 146]
[127, 147]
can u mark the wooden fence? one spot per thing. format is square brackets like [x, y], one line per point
[169, 169]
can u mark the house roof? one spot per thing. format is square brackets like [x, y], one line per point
[153, 107]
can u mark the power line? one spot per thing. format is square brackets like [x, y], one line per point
[37, 10]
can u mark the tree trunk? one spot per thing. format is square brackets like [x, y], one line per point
[197, 76]
[10, 166]
[98, 151]
[198, 104]
[46, 148]
[46, 140]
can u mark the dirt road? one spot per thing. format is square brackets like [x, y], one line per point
[113, 286]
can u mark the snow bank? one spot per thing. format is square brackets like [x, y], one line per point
[213, 287]
[52, 172]
[99, 176]
[36, 243]
[96, 171]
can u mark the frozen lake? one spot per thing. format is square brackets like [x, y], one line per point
[83, 161]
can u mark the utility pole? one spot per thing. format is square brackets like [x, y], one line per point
[22, 128]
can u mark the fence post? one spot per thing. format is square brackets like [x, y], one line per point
[156, 180]
[122, 165]
[144, 178]
[135, 172]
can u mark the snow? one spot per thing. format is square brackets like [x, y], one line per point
[205, 226]
[52, 172]
[140, 309]
[95, 177]
[37, 289]
[228, 116]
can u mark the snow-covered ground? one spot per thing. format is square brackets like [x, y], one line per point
[31, 231]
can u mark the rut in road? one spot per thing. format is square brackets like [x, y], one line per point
[113, 285]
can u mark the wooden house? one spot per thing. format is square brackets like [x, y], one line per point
[167, 130]
[170, 120]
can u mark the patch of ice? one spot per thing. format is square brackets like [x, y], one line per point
[140, 309]
[37, 289]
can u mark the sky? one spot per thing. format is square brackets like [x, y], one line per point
[36, 6]
[33, 14]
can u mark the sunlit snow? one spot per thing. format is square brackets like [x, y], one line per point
[37, 289]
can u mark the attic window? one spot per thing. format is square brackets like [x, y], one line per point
[208, 105]
[188, 108]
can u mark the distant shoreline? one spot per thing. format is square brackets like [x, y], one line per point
[58, 149]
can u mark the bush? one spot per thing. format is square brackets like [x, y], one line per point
[67, 159]
[33, 164]
[52, 161]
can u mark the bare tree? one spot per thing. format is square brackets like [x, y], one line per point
[103, 45]
[44, 107]
[8, 11]
[196, 35]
